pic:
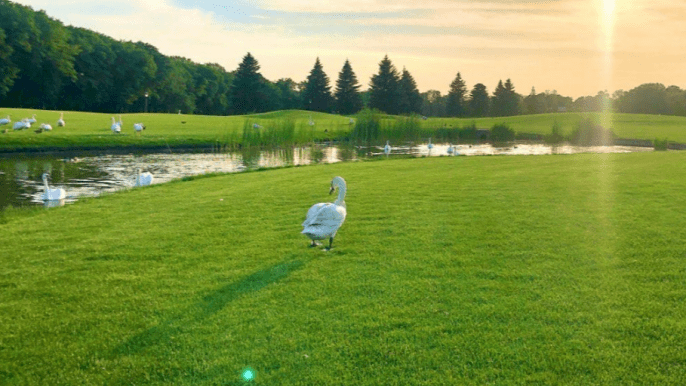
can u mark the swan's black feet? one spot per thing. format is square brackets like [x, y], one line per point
[330, 243]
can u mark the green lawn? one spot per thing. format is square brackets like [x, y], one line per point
[634, 126]
[565, 270]
[93, 129]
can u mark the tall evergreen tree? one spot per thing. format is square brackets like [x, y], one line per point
[410, 100]
[512, 101]
[348, 99]
[384, 89]
[247, 93]
[505, 100]
[456, 106]
[317, 93]
[479, 103]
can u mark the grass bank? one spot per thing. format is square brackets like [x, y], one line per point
[506, 270]
[88, 131]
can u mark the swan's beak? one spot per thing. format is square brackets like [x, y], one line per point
[332, 189]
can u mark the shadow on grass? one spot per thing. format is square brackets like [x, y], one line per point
[208, 306]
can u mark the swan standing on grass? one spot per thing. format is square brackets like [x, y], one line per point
[115, 126]
[324, 219]
[143, 179]
[45, 127]
[23, 124]
[60, 122]
[387, 149]
[139, 127]
[5, 121]
[32, 119]
[51, 194]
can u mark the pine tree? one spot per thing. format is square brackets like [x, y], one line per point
[384, 90]
[499, 100]
[479, 101]
[456, 106]
[247, 89]
[347, 95]
[512, 99]
[317, 93]
[410, 99]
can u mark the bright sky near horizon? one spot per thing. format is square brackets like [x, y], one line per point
[577, 47]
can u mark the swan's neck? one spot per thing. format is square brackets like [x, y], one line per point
[341, 195]
[45, 183]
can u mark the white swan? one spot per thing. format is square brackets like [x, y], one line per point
[5, 121]
[138, 127]
[23, 124]
[256, 126]
[115, 126]
[311, 122]
[430, 145]
[324, 219]
[387, 149]
[121, 123]
[60, 122]
[451, 150]
[143, 179]
[45, 127]
[51, 194]
[32, 119]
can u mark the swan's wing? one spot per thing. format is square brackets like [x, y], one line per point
[312, 212]
[328, 216]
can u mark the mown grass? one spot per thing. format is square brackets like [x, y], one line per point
[92, 130]
[485, 270]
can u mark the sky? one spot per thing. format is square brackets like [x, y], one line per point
[575, 47]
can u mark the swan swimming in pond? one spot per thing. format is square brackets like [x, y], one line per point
[51, 194]
[115, 126]
[5, 121]
[451, 151]
[60, 122]
[143, 179]
[387, 149]
[324, 219]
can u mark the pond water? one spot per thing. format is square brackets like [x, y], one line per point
[91, 175]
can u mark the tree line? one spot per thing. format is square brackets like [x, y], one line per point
[45, 64]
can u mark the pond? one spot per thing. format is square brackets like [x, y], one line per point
[91, 175]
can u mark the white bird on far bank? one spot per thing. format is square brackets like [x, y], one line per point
[51, 194]
[451, 151]
[60, 122]
[139, 127]
[387, 149]
[115, 126]
[5, 121]
[324, 219]
[32, 119]
[45, 127]
[23, 124]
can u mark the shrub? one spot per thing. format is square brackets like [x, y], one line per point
[661, 144]
[502, 133]
[556, 134]
[589, 133]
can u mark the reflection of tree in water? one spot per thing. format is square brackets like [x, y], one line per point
[346, 152]
[251, 157]
[317, 155]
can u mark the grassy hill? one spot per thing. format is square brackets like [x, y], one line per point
[92, 130]
[483, 270]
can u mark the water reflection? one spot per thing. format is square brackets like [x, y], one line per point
[87, 176]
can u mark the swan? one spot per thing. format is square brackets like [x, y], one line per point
[430, 145]
[45, 127]
[324, 219]
[51, 194]
[143, 179]
[5, 121]
[115, 126]
[23, 124]
[256, 126]
[121, 124]
[387, 149]
[138, 127]
[32, 119]
[60, 122]
[451, 151]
